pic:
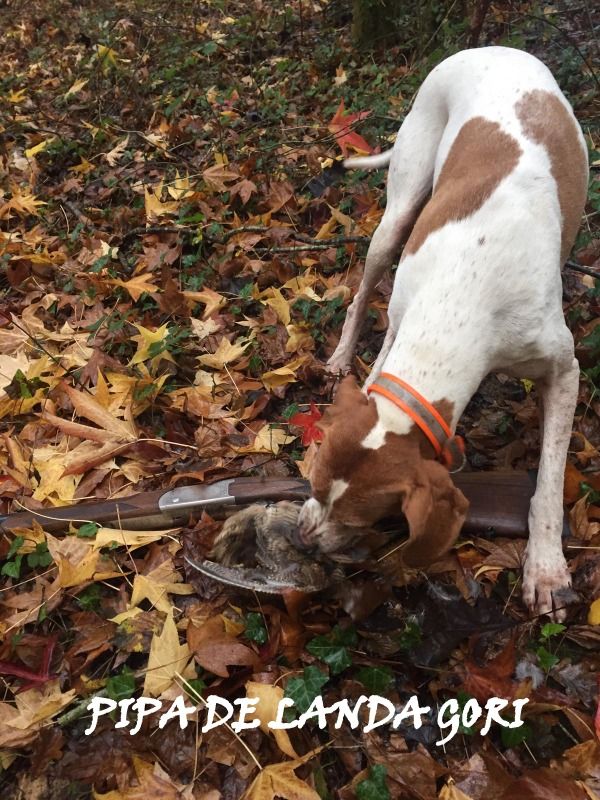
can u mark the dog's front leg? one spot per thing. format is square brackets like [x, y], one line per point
[546, 579]
[383, 250]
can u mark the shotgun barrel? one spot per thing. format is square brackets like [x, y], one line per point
[498, 503]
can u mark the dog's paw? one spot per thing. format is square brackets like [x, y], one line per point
[339, 364]
[547, 588]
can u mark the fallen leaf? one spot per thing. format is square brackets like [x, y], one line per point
[167, 658]
[151, 345]
[308, 422]
[280, 781]
[594, 613]
[275, 378]
[216, 650]
[269, 697]
[269, 439]
[225, 353]
[136, 286]
[115, 154]
[340, 127]
[451, 792]
[153, 783]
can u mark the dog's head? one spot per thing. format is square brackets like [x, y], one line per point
[357, 480]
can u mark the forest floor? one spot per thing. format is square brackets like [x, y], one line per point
[178, 245]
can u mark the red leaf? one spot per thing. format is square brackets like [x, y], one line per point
[346, 138]
[493, 680]
[308, 421]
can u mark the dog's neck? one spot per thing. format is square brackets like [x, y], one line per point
[446, 381]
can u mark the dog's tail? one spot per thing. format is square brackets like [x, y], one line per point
[369, 162]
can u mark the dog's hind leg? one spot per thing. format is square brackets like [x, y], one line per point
[409, 183]
[546, 579]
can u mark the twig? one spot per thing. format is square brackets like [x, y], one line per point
[584, 270]
[79, 710]
[314, 244]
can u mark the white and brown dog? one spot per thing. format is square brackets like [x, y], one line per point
[478, 289]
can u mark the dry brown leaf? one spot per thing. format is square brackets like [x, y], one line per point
[87, 406]
[167, 658]
[269, 697]
[280, 781]
[215, 650]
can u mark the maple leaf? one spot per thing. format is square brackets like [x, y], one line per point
[137, 285]
[299, 339]
[269, 697]
[167, 657]
[268, 440]
[217, 176]
[115, 154]
[75, 558]
[23, 203]
[308, 422]
[83, 167]
[451, 792]
[16, 97]
[106, 57]
[157, 585]
[244, 189]
[280, 780]
[279, 304]
[180, 188]
[154, 206]
[225, 353]
[215, 649]
[151, 345]
[151, 782]
[275, 378]
[495, 679]
[203, 328]
[91, 407]
[32, 708]
[346, 138]
[212, 300]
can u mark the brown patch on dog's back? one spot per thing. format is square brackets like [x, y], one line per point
[481, 156]
[546, 121]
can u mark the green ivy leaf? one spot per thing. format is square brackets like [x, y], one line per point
[376, 680]
[332, 648]
[89, 599]
[12, 568]
[14, 546]
[511, 737]
[304, 690]
[551, 629]
[411, 635]
[374, 787]
[255, 628]
[546, 659]
[88, 530]
[121, 686]
[40, 557]
[194, 688]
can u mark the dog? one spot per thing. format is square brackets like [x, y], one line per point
[486, 188]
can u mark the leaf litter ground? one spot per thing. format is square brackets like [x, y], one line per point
[178, 247]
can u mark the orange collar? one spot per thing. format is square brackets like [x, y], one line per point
[449, 449]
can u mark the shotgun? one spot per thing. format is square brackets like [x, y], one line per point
[499, 504]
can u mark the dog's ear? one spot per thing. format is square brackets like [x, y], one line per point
[435, 511]
[347, 399]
